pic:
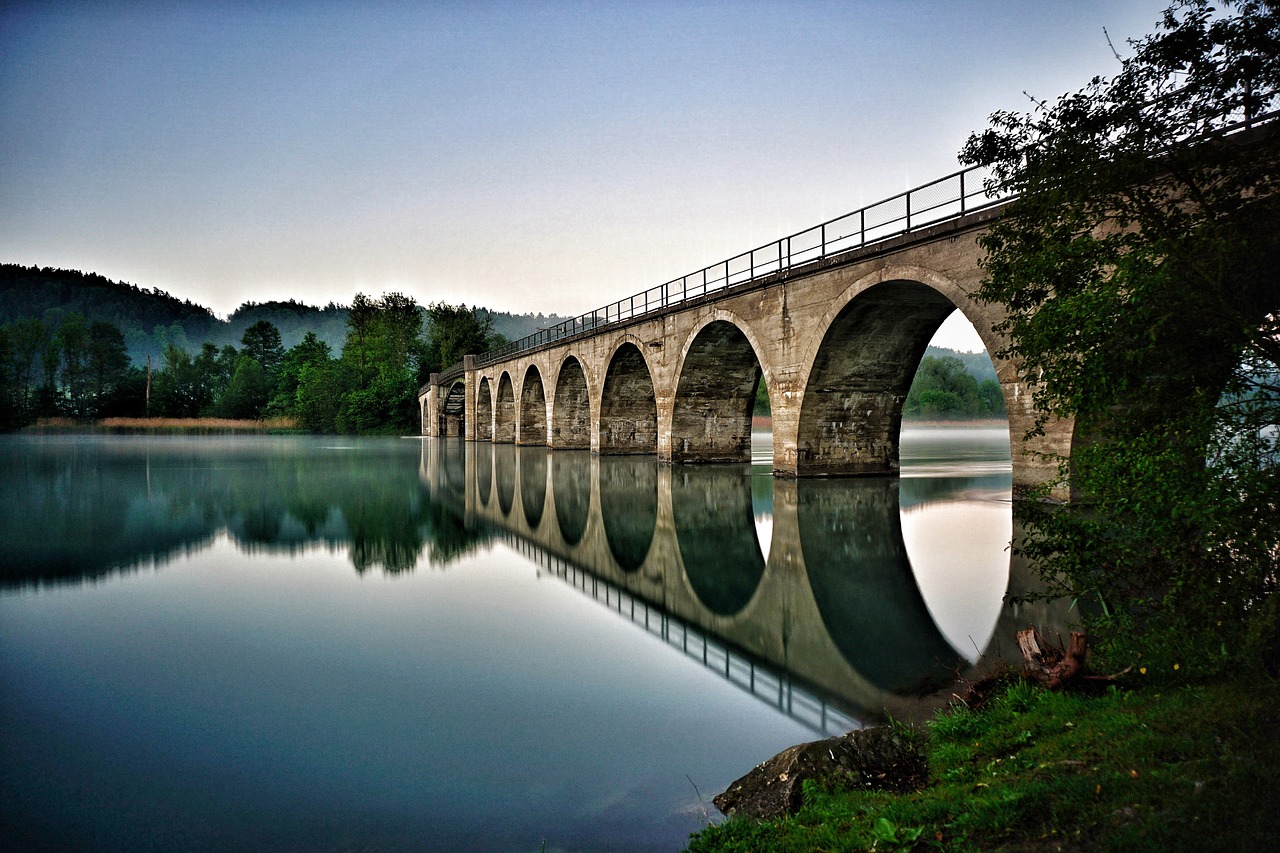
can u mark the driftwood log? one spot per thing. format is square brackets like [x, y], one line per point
[1050, 666]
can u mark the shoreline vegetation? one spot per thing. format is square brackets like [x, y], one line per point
[1159, 762]
[202, 426]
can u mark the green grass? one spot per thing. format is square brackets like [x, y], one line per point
[1159, 767]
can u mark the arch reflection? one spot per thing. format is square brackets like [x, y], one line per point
[533, 483]
[571, 492]
[484, 472]
[851, 537]
[504, 469]
[629, 507]
[711, 506]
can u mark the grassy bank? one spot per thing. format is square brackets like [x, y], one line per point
[198, 426]
[1175, 766]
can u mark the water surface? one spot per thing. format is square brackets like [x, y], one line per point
[403, 644]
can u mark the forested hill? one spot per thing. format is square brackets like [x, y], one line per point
[976, 364]
[150, 319]
[50, 294]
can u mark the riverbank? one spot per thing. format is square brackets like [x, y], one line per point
[1173, 765]
[196, 426]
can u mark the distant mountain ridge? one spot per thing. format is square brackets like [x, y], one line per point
[151, 319]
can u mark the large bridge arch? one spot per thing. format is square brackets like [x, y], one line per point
[453, 414]
[571, 406]
[484, 410]
[851, 409]
[533, 409]
[504, 411]
[628, 403]
[719, 372]
[921, 298]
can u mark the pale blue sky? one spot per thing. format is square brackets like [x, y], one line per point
[535, 156]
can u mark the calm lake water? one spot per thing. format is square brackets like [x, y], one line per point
[279, 643]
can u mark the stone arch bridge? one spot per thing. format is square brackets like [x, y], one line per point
[833, 320]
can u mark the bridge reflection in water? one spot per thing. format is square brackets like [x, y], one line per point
[830, 627]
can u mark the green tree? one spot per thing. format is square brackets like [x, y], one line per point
[383, 353]
[107, 369]
[29, 339]
[309, 351]
[454, 331]
[261, 342]
[943, 389]
[322, 387]
[1138, 267]
[184, 386]
[246, 393]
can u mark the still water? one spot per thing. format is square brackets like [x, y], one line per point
[411, 644]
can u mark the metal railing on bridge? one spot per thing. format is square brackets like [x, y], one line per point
[950, 197]
[955, 195]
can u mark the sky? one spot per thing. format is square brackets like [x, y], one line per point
[545, 157]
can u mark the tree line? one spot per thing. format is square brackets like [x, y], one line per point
[151, 319]
[81, 369]
[948, 385]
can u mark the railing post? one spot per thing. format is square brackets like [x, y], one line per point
[962, 195]
[908, 210]
[823, 253]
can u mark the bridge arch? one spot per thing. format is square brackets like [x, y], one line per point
[504, 411]
[571, 406]
[484, 410]
[859, 371]
[533, 409]
[720, 370]
[453, 409]
[628, 404]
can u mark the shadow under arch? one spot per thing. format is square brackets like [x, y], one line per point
[453, 410]
[533, 409]
[716, 533]
[504, 412]
[628, 491]
[628, 405]
[533, 483]
[865, 591]
[851, 415]
[571, 407]
[484, 410]
[711, 420]
[571, 492]
[504, 469]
